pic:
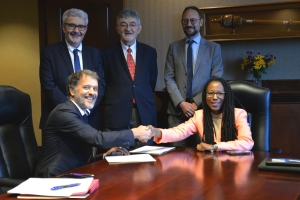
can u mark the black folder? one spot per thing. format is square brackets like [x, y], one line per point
[278, 167]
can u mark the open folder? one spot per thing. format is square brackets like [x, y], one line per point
[41, 188]
[277, 166]
[154, 150]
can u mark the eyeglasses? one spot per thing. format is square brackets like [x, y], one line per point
[124, 25]
[73, 26]
[192, 20]
[211, 94]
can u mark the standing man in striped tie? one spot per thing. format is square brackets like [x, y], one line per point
[130, 72]
[190, 63]
[59, 60]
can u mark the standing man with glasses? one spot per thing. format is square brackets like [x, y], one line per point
[130, 72]
[59, 60]
[190, 63]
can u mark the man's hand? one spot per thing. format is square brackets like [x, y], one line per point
[188, 109]
[142, 133]
[116, 151]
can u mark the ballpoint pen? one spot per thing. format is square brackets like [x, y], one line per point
[83, 175]
[75, 175]
[65, 186]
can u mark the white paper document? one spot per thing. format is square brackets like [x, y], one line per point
[154, 150]
[42, 186]
[130, 159]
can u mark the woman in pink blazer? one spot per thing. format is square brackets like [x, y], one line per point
[220, 126]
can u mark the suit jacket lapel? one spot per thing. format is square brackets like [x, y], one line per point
[200, 54]
[66, 56]
[86, 60]
[139, 56]
[182, 53]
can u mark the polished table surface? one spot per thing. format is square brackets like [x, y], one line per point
[188, 174]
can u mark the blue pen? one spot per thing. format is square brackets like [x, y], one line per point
[83, 175]
[65, 186]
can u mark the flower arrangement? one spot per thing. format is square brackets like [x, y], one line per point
[257, 64]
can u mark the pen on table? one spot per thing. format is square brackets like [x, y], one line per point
[65, 186]
[83, 175]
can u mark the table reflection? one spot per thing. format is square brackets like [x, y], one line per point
[201, 165]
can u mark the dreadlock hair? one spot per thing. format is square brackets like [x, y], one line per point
[228, 130]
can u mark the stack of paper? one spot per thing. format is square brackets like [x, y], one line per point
[41, 188]
[129, 159]
[154, 150]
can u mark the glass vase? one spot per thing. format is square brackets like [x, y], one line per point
[257, 81]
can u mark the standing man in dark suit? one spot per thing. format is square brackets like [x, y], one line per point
[68, 138]
[130, 72]
[206, 61]
[57, 63]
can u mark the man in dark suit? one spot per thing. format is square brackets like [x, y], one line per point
[57, 63]
[130, 69]
[206, 61]
[68, 138]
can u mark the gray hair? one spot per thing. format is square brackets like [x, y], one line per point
[129, 13]
[74, 12]
[74, 78]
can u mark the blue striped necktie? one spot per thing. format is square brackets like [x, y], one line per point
[189, 69]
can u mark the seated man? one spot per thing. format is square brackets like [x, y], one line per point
[68, 138]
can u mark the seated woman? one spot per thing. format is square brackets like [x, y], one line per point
[220, 126]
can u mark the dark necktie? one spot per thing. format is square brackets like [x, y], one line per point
[85, 118]
[189, 70]
[76, 60]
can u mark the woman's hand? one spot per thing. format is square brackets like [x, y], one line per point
[154, 131]
[203, 146]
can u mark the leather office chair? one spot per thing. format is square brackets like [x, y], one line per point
[256, 101]
[19, 151]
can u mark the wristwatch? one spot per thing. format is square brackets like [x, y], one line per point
[215, 146]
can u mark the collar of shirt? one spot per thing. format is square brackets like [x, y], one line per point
[80, 110]
[197, 39]
[71, 48]
[133, 49]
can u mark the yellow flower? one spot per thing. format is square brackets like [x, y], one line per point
[259, 64]
[259, 57]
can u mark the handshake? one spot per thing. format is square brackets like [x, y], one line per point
[144, 133]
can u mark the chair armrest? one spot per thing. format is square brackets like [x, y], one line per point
[98, 157]
[10, 182]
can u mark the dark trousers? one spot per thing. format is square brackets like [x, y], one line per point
[134, 122]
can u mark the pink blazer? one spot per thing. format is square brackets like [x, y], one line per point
[195, 126]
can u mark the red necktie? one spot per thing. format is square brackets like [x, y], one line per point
[131, 66]
[130, 63]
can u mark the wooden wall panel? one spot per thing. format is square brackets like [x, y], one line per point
[285, 127]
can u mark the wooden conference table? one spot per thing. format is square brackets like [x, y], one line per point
[186, 174]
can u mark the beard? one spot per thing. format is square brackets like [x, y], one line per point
[80, 100]
[188, 34]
